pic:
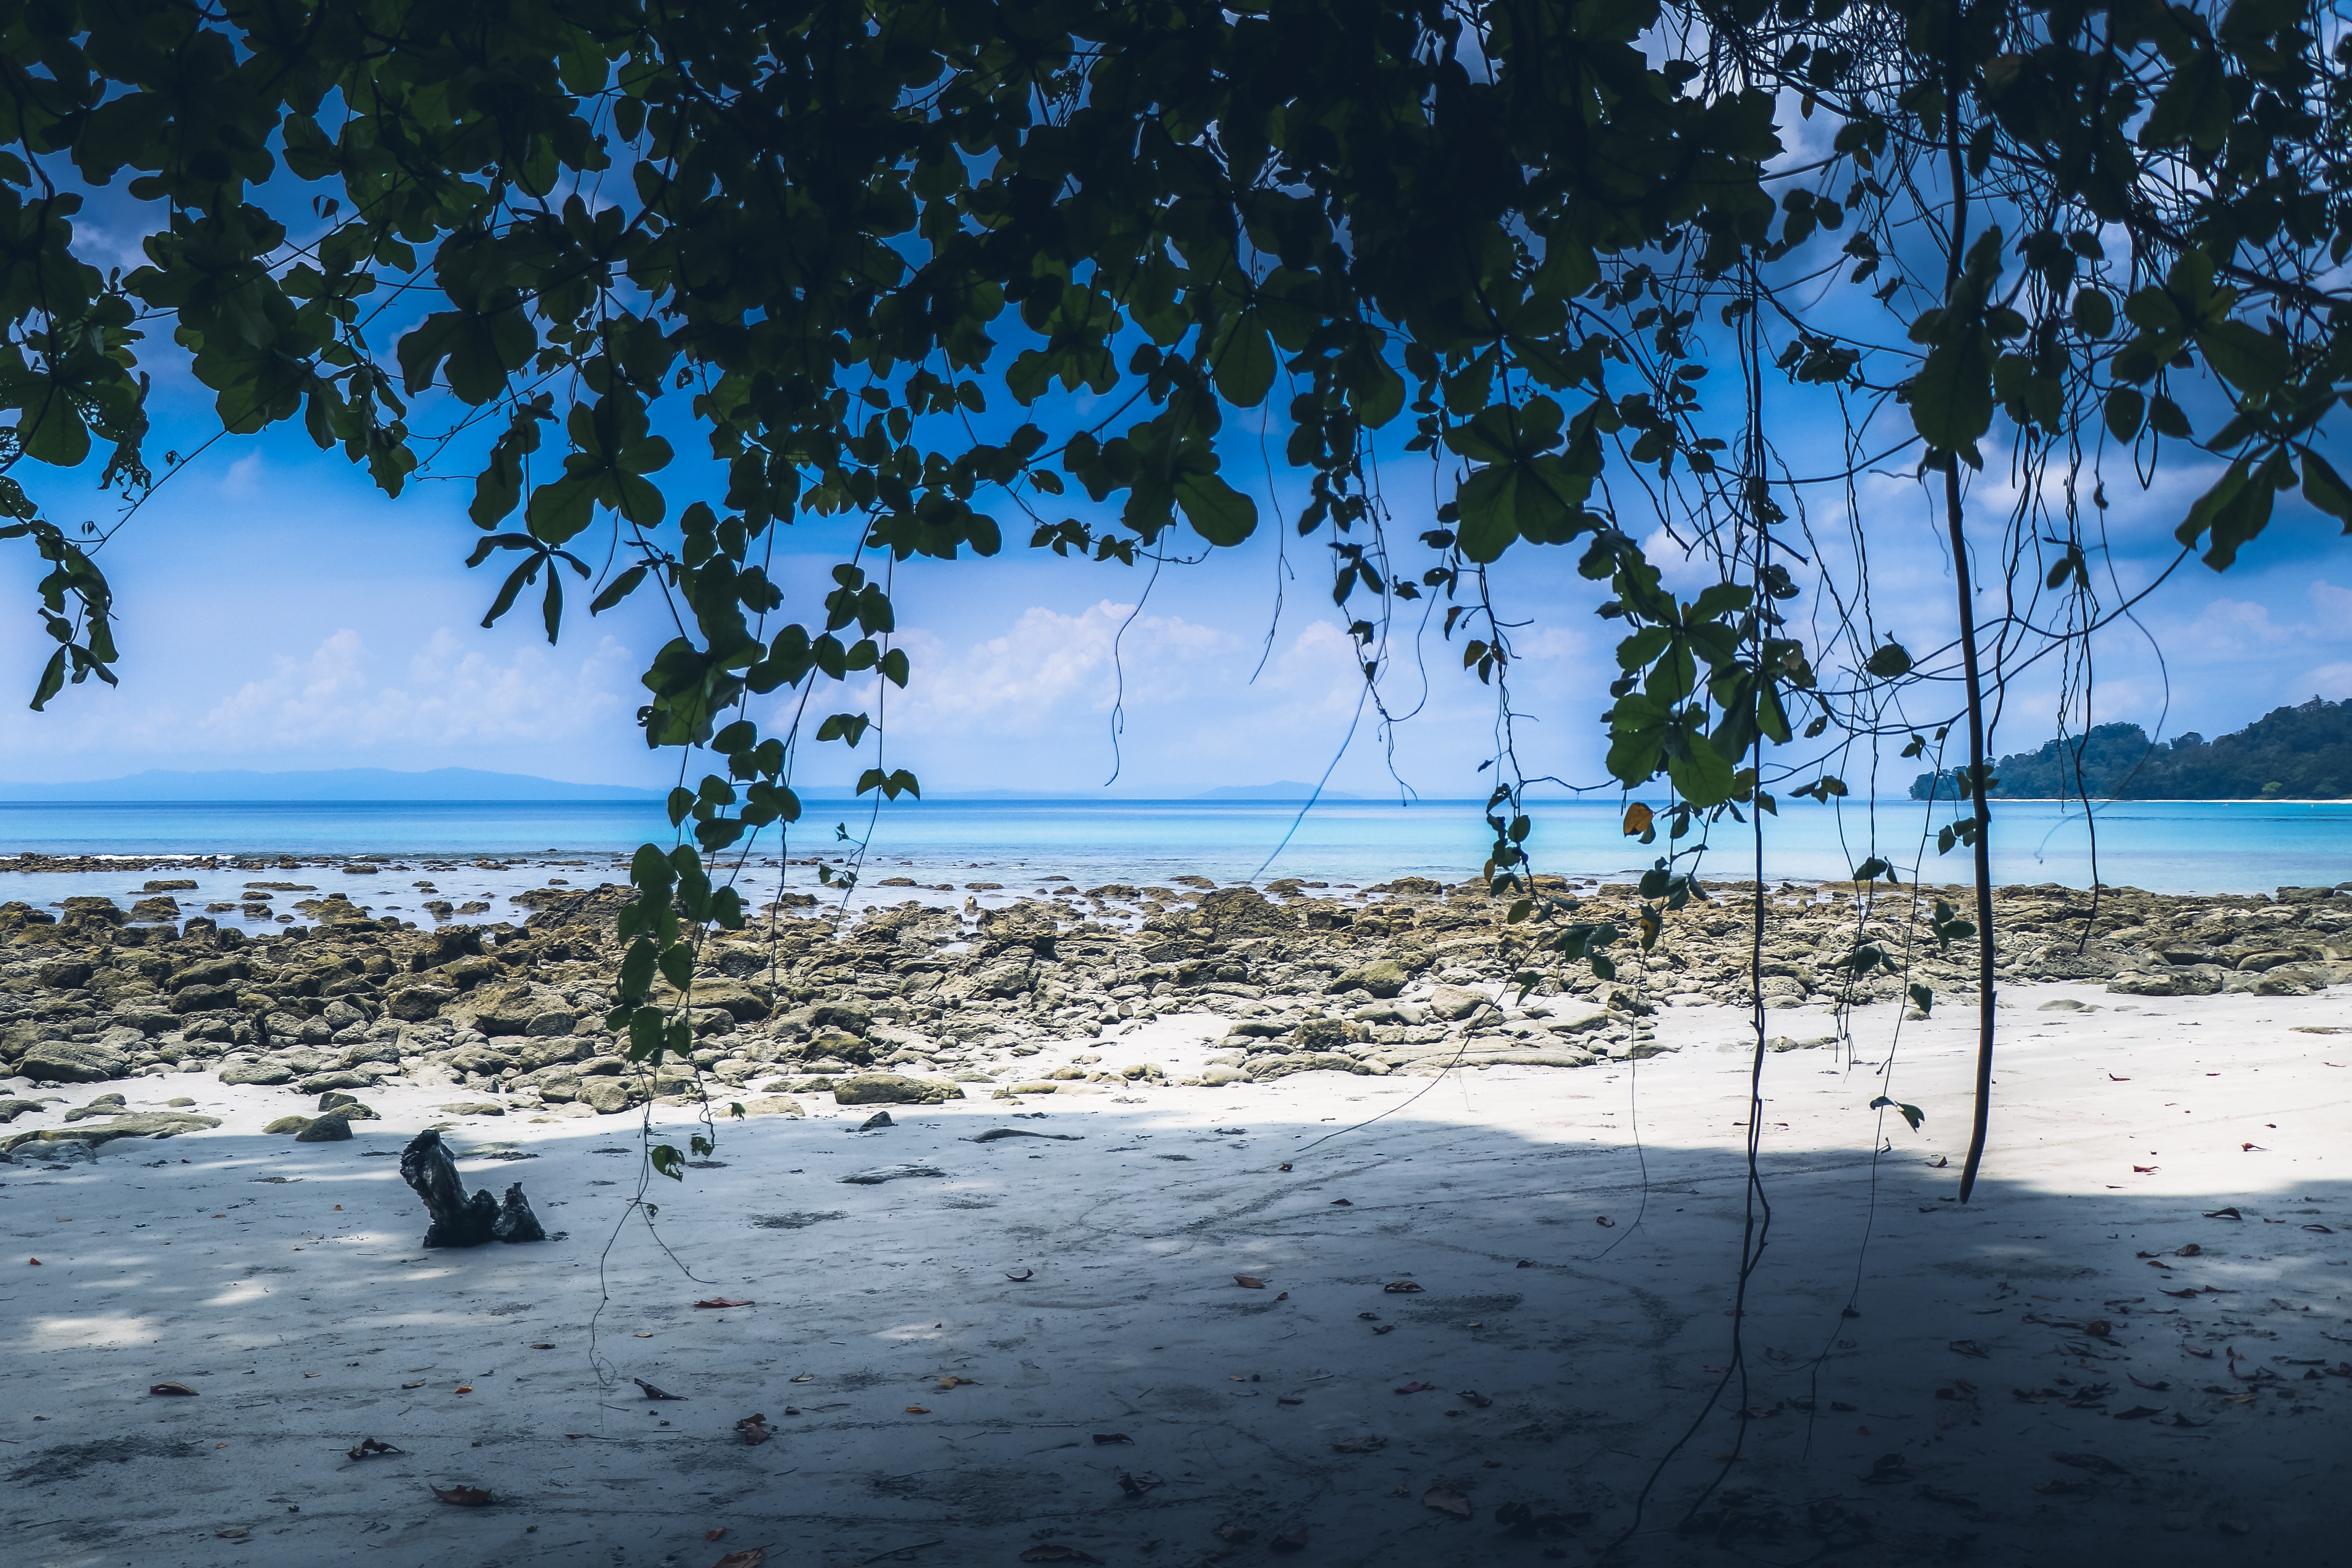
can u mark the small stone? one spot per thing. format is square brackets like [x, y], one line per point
[473, 1108]
[1383, 978]
[772, 1105]
[889, 1089]
[294, 1124]
[606, 1095]
[333, 1129]
[881, 1173]
[265, 1073]
[880, 1119]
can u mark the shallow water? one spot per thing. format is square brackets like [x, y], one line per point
[2183, 846]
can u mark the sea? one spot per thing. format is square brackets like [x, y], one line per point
[996, 850]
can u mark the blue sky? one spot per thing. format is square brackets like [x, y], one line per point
[279, 613]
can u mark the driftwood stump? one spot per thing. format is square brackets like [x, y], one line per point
[457, 1220]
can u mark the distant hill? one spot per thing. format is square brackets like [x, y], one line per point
[2303, 752]
[1285, 790]
[330, 785]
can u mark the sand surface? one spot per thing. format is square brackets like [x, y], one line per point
[1083, 1287]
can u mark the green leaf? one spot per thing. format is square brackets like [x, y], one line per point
[2126, 408]
[2325, 490]
[618, 589]
[1911, 1113]
[1889, 661]
[2248, 359]
[1952, 396]
[667, 1161]
[1244, 363]
[1218, 512]
[1924, 998]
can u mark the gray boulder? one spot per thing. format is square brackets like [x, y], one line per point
[889, 1089]
[75, 1061]
[1456, 1002]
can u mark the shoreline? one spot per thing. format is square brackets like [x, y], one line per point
[950, 986]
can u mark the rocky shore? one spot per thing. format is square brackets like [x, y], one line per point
[924, 1001]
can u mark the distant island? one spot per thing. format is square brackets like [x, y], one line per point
[2304, 753]
[159, 785]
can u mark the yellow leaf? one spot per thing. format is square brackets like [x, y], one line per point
[1637, 820]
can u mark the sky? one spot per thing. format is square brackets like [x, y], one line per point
[278, 613]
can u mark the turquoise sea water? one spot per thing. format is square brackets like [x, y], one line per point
[2165, 846]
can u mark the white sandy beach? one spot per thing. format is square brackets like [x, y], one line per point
[283, 1283]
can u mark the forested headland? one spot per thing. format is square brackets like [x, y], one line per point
[2301, 752]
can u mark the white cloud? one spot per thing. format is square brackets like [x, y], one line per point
[243, 480]
[452, 695]
[1047, 670]
[2236, 626]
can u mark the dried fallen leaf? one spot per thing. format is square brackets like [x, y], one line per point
[412, 1385]
[1887, 1467]
[1342, 1204]
[1605, 1222]
[753, 1429]
[465, 1388]
[2145, 1170]
[2096, 1464]
[369, 1448]
[1385, 1329]
[1360, 1445]
[542, 1345]
[718, 1534]
[1445, 1502]
[1023, 1277]
[2204, 1352]
[805, 1378]
[1970, 1348]
[1283, 1166]
[464, 1497]
[1133, 1487]
[2098, 1328]
[1054, 1551]
[2253, 1148]
[2192, 1251]
[919, 1410]
[653, 1392]
[1473, 1397]
[1294, 1542]
[1249, 1281]
[2320, 1228]
[2230, 1213]
[749, 1557]
[951, 1381]
[1103, 1439]
[1417, 1388]
[1400, 1287]
[176, 1389]
[722, 1301]
[2140, 1413]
